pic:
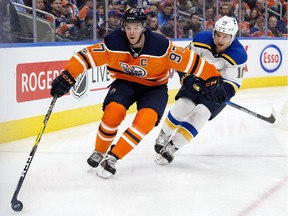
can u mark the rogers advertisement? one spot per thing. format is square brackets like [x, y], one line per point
[33, 80]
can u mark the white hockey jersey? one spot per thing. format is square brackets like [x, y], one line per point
[229, 63]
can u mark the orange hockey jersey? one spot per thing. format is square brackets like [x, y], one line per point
[151, 68]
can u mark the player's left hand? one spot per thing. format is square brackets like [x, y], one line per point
[214, 90]
[192, 82]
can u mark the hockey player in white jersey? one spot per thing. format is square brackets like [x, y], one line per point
[200, 101]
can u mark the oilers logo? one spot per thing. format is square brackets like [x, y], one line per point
[80, 88]
[133, 70]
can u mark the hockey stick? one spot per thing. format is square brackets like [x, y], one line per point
[271, 119]
[16, 204]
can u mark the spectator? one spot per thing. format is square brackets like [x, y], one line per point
[224, 9]
[71, 12]
[193, 26]
[251, 3]
[165, 14]
[185, 5]
[134, 3]
[198, 8]
[284, 4]
[75, 2]
[243, 4]
[209, 18]
[86, 30]
[152, 2]
[163, 2]
[154, 8]
[252, 18]
[85, 9]
[283, 23]
[181, 21]
[149, 15]
[272, 25]
[145, 4]
[47, 3]
[88, 4]
[285, 32]
[118, 5]
[9, 23]
[260, 8]
[244, 27]
[258, 30]
[40, 5]
[244, 15]
[154, 26]
[168, 29]
[101, 11]
[62, 25]
[113, 20]
[274, 6]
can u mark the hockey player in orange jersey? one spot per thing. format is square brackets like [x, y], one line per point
[139, 61]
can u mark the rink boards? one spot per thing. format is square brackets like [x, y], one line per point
[28, 70]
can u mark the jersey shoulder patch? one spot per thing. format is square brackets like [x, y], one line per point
[116, 41]
[155, 44]
[203, 40]
[235, 54]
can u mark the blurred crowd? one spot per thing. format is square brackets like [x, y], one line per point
[73, 19]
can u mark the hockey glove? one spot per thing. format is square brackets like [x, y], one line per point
[182, 76]
[62, 84]
[214, 90]
[192, 82]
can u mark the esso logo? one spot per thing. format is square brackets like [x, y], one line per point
[271, 58]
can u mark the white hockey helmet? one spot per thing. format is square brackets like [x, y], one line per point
[227, 25]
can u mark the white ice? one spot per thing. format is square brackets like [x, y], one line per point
[237, 166]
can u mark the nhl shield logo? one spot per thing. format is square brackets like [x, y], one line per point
[80, 88]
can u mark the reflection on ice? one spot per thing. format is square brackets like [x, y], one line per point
[236, 166]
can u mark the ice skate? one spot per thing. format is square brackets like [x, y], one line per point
[95, 159]
[166, 154]
[107, 166]
[161, 141]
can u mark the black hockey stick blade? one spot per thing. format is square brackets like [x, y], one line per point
[15, 203]
[271, 119]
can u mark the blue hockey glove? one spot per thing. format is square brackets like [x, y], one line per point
[62, 84]
[214, 90]
[192, 82]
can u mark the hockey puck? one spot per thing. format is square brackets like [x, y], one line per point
[17, 206]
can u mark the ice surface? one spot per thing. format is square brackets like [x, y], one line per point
[237, 166]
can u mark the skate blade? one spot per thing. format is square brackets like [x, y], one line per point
[161, 160]
[102, 173]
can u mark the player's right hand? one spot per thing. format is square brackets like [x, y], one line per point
[62, 84]
[215, 91]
